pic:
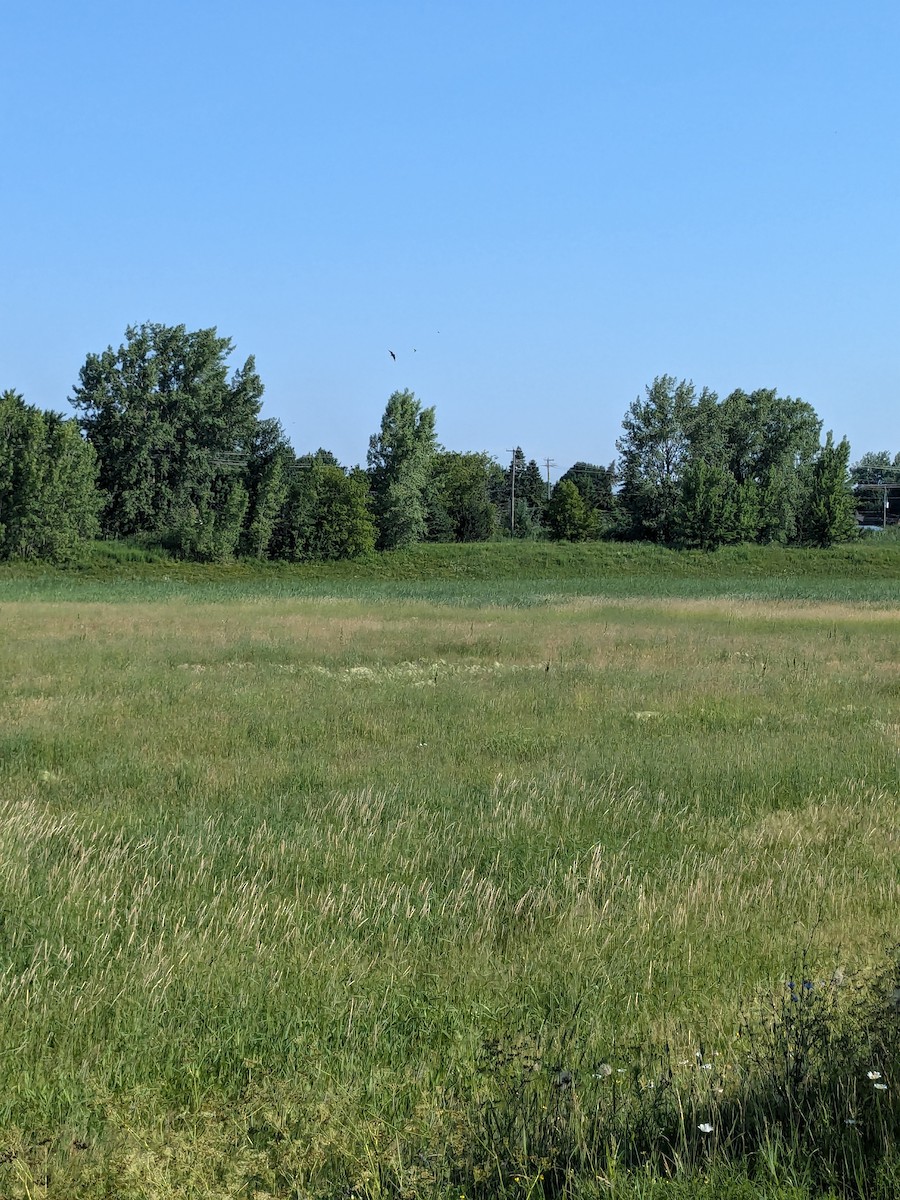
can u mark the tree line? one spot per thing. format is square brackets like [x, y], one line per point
[168, 447]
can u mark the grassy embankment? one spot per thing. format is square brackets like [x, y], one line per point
[410, 878]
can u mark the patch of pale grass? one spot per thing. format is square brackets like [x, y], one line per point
[857, 612]
[860, 818]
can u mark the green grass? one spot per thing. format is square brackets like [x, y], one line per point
[504, 573]
[312, 883]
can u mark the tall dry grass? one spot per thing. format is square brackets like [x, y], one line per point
[276, 874]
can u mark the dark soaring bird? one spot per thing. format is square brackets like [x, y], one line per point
[393, 355]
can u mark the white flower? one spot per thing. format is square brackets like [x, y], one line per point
[873, 1074]
[882, 1087]
[705, 1127]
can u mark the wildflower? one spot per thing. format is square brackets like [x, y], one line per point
[705, 1127]
[706, 1066]
[873, 1074]
[850, 1121]
[882, 1087]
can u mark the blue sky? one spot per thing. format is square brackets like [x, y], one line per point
[538, 206]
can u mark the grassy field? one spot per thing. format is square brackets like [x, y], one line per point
[410, 879]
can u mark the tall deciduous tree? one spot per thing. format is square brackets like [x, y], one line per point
[463, 483]
[768, 440]
[169, 428]
[828, 504]
[655, 447]
[400, 460]
[705, 512]
[48, 483]
[325, 515]
[268, 465]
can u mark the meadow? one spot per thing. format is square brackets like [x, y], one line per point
[421, 879]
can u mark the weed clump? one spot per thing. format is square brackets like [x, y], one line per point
[806, 1096]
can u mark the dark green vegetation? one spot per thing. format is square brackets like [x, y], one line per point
[399, 878]
[178, 456]
[48, 495]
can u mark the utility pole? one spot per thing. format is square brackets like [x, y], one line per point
[548, 463]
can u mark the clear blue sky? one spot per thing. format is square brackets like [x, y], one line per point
[550, 202]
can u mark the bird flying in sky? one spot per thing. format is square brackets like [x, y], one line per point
[393, 355]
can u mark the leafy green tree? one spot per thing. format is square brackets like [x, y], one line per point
[217, 534]
[595, 486]
[594, 483]
[764, 431]
[266, 478]
[48, 483]
[828, 504]
[532, 488]
[400, 461]
[169, 428]
[342, 526]
[568, 517]
[71, 500]
[325, 458]
[654, 449]
[22, 463]
[706, 431]
[768, 440]
[705, 515]
[464, 482]
[326, 514]
[745, 521]
[779, 505]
